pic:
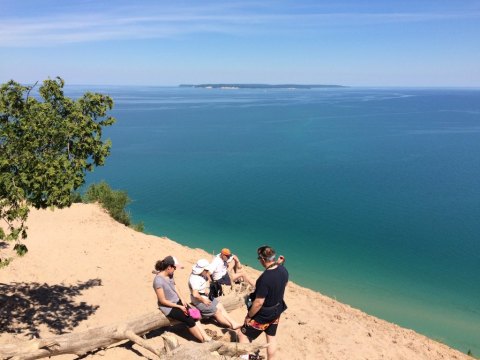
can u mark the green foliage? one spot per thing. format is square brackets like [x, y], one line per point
[140, 227]
[46, 147]
[5, 262]
[21, 249]
[114, 201]
[76, 197]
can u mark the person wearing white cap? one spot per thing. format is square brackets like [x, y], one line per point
[170, 301]
[199, 288]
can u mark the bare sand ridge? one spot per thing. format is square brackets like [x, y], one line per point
[94, 271]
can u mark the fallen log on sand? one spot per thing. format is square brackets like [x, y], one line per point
[101, 337]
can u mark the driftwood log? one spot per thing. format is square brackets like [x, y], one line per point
[204, 351]
[101, 337]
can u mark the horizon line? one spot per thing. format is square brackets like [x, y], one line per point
[335, 86]
[298, 84]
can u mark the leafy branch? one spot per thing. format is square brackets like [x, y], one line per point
[47, 144]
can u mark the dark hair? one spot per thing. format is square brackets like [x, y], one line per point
[266, 253]
[160, 265]
[165, 263]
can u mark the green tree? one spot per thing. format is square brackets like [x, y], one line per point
[47, 144]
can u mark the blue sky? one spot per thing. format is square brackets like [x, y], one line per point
[157, 42]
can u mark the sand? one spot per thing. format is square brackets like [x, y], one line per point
[85, 270]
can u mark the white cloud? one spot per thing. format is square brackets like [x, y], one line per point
[131, 23]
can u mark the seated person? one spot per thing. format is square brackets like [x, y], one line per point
[199, 287]
[224, 262]
[169, 300]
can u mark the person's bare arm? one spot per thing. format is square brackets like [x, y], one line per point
[237, 265]
[163, 300]
[182, 299]
[209, 276]
[256, 306]
[200, 298]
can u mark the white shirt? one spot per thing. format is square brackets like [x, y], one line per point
[218, 268]
[199, 283]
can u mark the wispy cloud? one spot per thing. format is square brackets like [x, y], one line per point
[131, 23]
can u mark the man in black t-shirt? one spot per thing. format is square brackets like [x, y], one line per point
[267, 302]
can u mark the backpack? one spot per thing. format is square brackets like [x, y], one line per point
[215, 290]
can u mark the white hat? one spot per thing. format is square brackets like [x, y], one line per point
[177, 263]
[201, 265]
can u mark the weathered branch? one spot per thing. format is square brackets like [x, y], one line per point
[28, 92]
[141, 342]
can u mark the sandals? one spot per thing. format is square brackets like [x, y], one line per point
[256, 356]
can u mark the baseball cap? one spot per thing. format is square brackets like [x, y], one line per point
[201, 265]
[226, 252]
[172, 261]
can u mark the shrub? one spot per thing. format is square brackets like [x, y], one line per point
[114, 201]
[140, 227]
[76, 197]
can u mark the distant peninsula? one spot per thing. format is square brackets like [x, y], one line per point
[260, 86]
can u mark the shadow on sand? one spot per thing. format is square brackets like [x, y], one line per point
[24, 307]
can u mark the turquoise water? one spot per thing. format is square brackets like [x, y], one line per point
[373, 195]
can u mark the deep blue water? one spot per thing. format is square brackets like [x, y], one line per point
[373, 195]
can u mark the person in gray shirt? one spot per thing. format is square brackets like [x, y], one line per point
[170, 302]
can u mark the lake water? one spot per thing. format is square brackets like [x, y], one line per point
[373, 195]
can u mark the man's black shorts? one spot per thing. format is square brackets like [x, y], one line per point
[254, 329]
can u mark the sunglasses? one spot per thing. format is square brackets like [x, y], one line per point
[261, 249]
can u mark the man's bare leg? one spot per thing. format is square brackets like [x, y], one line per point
[272, 347]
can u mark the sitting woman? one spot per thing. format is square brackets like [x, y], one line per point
[169, 300]
[199, 287]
